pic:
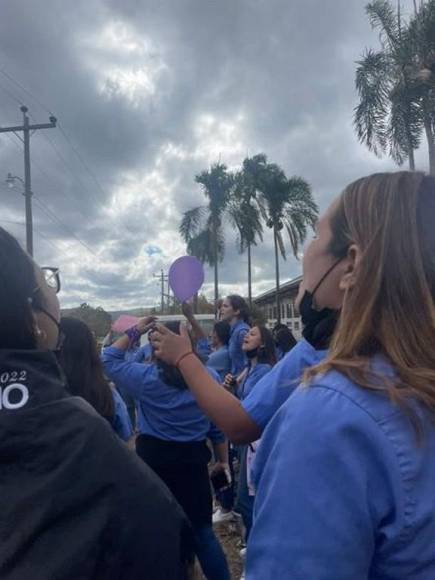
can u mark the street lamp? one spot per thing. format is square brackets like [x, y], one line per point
[10, 182]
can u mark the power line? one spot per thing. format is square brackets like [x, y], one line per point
[11, 95]
[53, 217]
[23, 88]
[60, 127]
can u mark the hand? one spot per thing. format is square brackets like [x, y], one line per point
[144, 324]
[168, 346]
[218, 466]
[187, 310]
[229, 381]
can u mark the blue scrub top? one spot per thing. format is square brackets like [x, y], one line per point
[121, 423]
[254, 374]
[274, 389]
[237, 356]
[219, 360]
[344, 490]
[164, 412]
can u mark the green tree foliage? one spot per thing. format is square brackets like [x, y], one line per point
[395, 84]
[202, 227]
[98, 320]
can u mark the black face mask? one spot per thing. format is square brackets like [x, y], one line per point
[253, 353]
[319, 325]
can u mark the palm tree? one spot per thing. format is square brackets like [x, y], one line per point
[245, 215]
[201, 227]
[286, 204]
[422, 71]
[388, 116]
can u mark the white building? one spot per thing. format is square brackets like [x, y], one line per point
[289, 313]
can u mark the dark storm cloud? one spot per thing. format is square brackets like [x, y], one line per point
[149, 94]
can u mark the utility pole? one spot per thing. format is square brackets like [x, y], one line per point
[163, 278]
[25, 128]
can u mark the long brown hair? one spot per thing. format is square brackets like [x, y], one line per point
[390, 308]
[83, 369]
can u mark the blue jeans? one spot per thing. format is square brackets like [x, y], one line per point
[210, 554]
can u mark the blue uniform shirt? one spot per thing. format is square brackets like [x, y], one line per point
[164, 412]
[252, 377]
[237, 356]
[219, 360]
[121, 423]
[275, 388]
[143, 353]
[344, 491]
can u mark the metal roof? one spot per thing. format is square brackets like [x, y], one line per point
[282, 289]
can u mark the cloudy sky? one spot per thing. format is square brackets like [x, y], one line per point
[150, 93]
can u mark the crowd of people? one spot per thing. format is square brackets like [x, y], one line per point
[323, 447]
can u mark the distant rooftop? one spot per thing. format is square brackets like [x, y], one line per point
[285, 287]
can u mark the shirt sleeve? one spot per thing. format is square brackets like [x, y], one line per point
[323, 475]
[271, 391]
[215, 435]
[135, 378]
[121, 421]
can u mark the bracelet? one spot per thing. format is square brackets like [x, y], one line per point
[183, 356]
[133, 334]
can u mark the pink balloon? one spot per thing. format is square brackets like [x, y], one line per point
[186, 276]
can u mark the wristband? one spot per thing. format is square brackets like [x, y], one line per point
[183, 356]
[133, 334]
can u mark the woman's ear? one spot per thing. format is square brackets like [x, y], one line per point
[351, 264]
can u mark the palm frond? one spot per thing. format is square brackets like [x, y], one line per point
[373, 85]
[191, 222]
[383, 17]
[281, 245]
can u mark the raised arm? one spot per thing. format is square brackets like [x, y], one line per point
[222, 408]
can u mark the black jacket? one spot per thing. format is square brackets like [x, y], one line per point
[75, 502]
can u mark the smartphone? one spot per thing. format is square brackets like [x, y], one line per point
[219, 481]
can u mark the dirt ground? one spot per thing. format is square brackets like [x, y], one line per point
[229, 537]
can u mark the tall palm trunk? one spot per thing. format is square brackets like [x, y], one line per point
[430, 143]
[411, 159]
[278, 302]
[215, 259]
[249, 276]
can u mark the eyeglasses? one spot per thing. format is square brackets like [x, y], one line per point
[52, 278]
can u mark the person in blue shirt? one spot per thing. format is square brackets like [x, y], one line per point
[259, 348]
[219, 359]
[344, 475]
[235, 310]
[172, 439]
[345, 471]
[85, 376]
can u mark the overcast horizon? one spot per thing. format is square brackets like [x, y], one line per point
[147, 95]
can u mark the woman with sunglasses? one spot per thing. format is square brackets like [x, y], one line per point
[345, 472]
[77, 503]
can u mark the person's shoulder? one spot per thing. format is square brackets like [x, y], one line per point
[375, 403]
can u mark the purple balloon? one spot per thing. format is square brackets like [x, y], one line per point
[186, 276]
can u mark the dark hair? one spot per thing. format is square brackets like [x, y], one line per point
[81, 363]
[240, 304]
[284, 337]
[223, 331]
[169, 374]
[266, 353]
[17, 285]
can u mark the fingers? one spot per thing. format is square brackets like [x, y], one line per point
[183, 330]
